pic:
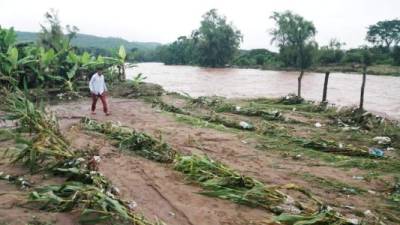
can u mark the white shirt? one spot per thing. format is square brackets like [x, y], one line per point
[97, 85]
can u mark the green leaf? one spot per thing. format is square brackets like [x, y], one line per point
[122, 53]
[85, 58]
[48, 57]
[13, 56]
[71, 73]
[72, 58]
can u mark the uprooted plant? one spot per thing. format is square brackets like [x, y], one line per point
[220, 181]
[47, 150]
[129, 139]
[96, 205]
[217, 179]
[219, 105]
[333, 147]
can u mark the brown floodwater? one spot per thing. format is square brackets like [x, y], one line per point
[382, 93]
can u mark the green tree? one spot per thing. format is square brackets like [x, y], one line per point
[52, 36]
[216, 41]
[331, 53]
[385, 33]
[294, 36]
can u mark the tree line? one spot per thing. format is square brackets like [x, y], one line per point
[216, 44]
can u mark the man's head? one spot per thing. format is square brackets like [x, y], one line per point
[99, 72]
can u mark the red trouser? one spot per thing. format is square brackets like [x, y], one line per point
[103, 100]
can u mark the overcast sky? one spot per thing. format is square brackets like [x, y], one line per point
[164, 20]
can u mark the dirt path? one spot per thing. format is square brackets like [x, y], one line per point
[160, 192]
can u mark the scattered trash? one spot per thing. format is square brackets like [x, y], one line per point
[93, 163]
[97, 158]
[346, 190]
[294, 109]
[244, 142]
[349, 207]
[353, 221]
[318, 125]
[372, 192]
[115, 190]
[237, 108]
[368, 213]
[20, 181]
[382, 140]
[291, 99]
[376, 152]
[389, 149]
[297, 157]
[358, 177]
[171, 213]
[245, 125]
[132, 205]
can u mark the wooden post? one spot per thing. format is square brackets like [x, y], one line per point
[123, 73]
[299, 83]
[325, 86]
[363, 87]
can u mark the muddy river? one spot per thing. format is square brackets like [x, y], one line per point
[382, 92]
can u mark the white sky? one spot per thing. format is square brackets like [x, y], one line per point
[164, 20]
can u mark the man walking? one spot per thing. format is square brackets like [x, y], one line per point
[98, 89]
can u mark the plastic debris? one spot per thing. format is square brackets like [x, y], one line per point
[376, 152]
[389, 149]
[358, 177]
[368, 213]
[237, 108]
[353, 221]
[318, 125]
[297, 157]
[115, 190]
[132, 205]
[382, 140]
[245, 125]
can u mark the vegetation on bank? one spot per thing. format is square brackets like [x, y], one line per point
[52, 62]
[384, 54]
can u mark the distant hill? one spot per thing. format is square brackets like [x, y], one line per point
[87, 41]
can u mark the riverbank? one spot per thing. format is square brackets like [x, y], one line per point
[278, 142]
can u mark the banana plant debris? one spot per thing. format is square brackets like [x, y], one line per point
[217, 179]
[42, 148]
[47, 150]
